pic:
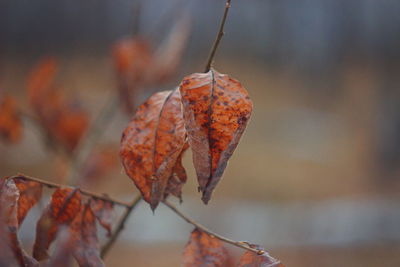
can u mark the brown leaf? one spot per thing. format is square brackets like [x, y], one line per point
[99, 163]
[62, 255]
[251, 259]
[63, 117]
[84, 234]
[64, 206]
[152, 143]
[216, 111]
[178, 177]
[204, 250]
[104, 212]
[10, 122]
[9, 213]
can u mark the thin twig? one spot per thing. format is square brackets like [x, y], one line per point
[240, 244]
[120, 226]
[219, 37]
[87, 143]
[84, 192]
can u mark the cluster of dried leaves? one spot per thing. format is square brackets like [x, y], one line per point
[68, 216]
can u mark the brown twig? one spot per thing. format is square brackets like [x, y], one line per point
[120, 226]
[240, 244]
[84, 192]
[219, 37]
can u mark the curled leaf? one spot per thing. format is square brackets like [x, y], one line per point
[251, 259]
[10, 122]
[64, 206]
[104, 212]
[203, 250]
[152, 143]
[216, 111]
[84, 234]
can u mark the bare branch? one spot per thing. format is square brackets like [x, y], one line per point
[240, 244]
[218, 38]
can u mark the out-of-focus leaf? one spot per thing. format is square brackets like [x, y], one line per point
[9, 213]
[104, 212]
[99, 163]
[64, 206]
[203, 250]
[251, 259]
[62, 255]
[178, 177]
[10, 122]
[63, 117]
[152, 143]
[216, 110]
[84, 235]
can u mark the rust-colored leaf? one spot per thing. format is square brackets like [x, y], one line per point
[10, 122]
[251, 259]
[178, 177]
[152, 143]
[204, 250]
[9, 212]
[63, 117]
[104, 212]
[216, 111]
[64, 206]
[84, 234]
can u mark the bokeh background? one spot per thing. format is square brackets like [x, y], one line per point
[316, 177]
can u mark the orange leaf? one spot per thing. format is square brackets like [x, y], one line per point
[216, 110]
[64, 206]
[205, 251]
[84, 234]
[104, 212]
[251, 259]
[10, 122]
[152, 143]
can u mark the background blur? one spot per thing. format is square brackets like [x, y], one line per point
[316, 177]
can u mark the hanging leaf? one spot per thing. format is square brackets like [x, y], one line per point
[64, 206]
[152, 143]
[178, 177]
[84, 234]
[251, 259]
[63, 117]
[216, 111]
[10, 122]
[62, 255]
[10, 212]
[104, 212]
[203, 250]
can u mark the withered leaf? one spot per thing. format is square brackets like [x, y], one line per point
[10, 122]
[62, 117]
[84, 234]
[9, 214]
[62, 255]
[104, 212]
[204, 250]
[252, 259]
[216, 111]
[152, 143]
[64, 206]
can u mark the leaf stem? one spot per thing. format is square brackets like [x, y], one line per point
[120, 226]
[240, 244]
[218, 38]
[84, 192]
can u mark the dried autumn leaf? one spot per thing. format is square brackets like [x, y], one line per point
[178, 177]
[99, 163]
[10, 122]
[252, 259]
[63, 117]
[64, 206]
[10, 214]
[104, 212]
[216, 110]
[84, 235]
[204, 250]
[62, 255]
[152, 143]
[132, 57]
